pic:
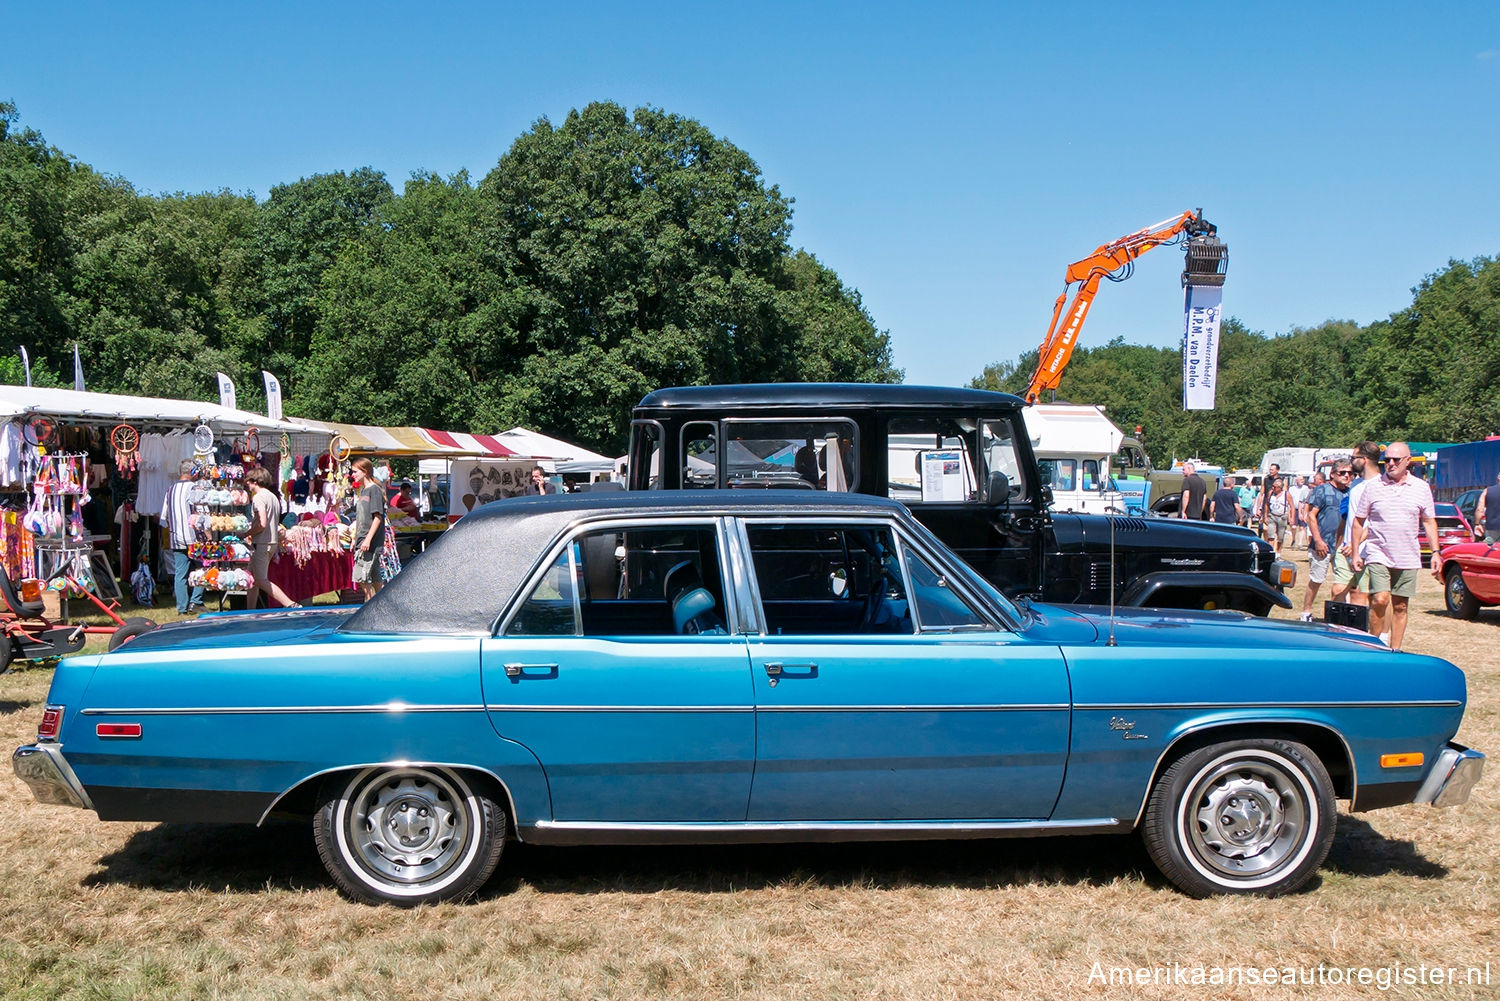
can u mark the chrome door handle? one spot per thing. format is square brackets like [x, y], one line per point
[776, 669]
[544, 670]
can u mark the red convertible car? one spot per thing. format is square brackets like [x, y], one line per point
[1471, 577]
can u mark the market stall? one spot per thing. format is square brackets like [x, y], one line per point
[83, 476]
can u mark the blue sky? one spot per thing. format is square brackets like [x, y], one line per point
[948, 161]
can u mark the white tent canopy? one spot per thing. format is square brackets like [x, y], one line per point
[553, 454]
[107, 408]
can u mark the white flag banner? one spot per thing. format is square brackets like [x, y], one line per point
[77, 369]
[26, 361]
[226, 392]
[273, 396]
[1202, 306]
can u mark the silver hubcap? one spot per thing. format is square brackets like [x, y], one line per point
[1456, 590]
[408, 826]
[1245, 818]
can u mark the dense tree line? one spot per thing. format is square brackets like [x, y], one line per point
[1427, 373]
[598, 260]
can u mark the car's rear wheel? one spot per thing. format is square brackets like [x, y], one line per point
[1247, 817]
[1456, 595]
[409, 835]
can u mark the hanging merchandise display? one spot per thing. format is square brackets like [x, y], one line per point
[220, 503]
[126, 442]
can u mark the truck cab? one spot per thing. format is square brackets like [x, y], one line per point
[962, 460]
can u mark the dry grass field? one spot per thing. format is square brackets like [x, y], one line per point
[113, 910]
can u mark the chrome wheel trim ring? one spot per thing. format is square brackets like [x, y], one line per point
[391, 845]
[1455, 591]
[1247, 818]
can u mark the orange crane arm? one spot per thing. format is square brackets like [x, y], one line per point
[1105, 262]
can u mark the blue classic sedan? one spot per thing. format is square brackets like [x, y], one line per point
[744, 666]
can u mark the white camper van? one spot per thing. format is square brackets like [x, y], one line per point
[1076, 443]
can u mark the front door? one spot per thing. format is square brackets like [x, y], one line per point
[881, 695]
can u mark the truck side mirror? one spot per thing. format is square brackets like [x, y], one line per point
[997, 491]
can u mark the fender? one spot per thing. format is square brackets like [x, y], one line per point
[1143, 589]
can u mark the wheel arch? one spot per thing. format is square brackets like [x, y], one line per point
[303, 799]
[1323, 740]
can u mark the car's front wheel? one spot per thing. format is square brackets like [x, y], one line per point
[1248, 816]
[409, 835]
[1456, 595]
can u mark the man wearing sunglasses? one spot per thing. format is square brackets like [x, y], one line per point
[1323, 503]
[1386, 517]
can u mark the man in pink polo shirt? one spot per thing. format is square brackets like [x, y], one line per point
[1386, 517]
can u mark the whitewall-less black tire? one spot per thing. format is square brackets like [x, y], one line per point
[409, 835]
[1246, 816]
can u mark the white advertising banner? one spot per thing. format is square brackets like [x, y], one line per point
[226, 392]
[273, 395]
[1202, 306]
[473, 482]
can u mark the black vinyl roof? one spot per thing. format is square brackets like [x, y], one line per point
[471, 572]
[822, 395]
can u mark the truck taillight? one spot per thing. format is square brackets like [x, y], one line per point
[51, 723]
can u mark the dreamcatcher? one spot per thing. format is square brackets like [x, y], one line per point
[247, 447]
[126, 441]
[40, 431]
[338, 465]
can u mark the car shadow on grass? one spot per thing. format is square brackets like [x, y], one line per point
[1488, 615]
[1360, 850]
[235, 858]
[243, 859]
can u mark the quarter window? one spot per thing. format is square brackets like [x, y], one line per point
[939, 607]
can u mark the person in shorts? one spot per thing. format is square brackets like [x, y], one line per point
[265, 527]
[1324, 502]
[369, 526]
[1386, 519]
[1348, 584]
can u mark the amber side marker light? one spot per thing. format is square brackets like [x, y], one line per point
[1407, 760]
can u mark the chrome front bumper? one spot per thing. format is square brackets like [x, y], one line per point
[43, 767]
[1452, 778]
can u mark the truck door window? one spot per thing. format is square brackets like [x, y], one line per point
[921, 453]
[1064, 473]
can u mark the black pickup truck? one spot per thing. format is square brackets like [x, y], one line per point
[961, 460]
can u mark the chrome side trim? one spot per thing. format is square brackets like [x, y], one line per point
[1139, 706]
[1452, 778]
[605, 832]
[496, 707]
[388, 707]
[1056, 707]
[1223, 724]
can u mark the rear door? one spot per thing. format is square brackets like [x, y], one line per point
[882, 694]
[632, 718]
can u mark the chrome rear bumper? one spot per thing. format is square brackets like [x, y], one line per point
[43, 767]
[1452, 778]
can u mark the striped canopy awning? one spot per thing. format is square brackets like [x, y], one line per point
[369, 439]
[458, 443]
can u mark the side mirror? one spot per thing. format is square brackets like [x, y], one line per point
[997, 491]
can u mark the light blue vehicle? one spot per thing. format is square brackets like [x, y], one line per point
[744, 666]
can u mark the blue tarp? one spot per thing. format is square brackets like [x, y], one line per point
[1463, 467]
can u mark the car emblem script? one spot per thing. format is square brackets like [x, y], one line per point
[1126, 728]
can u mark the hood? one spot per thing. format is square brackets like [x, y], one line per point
[1223, 630]
[1077, 532]
[237, 629]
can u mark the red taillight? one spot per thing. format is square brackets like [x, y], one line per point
[51, 723]
[118, 729]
